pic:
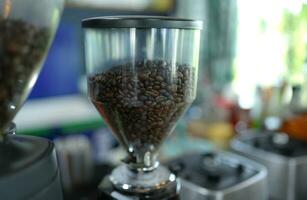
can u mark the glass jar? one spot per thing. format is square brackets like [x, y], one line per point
[142, 76]
[26, 32]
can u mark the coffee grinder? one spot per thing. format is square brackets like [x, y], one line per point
[284, 157]
[219, 175]
[142, 76]
[28, 166]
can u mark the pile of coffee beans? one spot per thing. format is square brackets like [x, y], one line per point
[22, 48]
[142, 102]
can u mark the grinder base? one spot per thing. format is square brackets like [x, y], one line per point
[28, 165]
[108, 192]
[132, 181]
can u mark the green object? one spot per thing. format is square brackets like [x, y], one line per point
[295, 27]
[67, 129]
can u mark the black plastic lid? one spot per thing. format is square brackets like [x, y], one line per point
[136, 21]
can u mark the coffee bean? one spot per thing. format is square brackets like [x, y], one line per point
[160, 98]
[159, 78]
[144, 110]
[148, 102]
[163, 85]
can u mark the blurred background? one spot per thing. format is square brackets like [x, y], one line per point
[252, 75]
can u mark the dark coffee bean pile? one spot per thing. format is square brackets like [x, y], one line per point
[142, 103]
[22, 48]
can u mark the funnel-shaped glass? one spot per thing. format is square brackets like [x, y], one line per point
[26, 30]
[142, 76]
